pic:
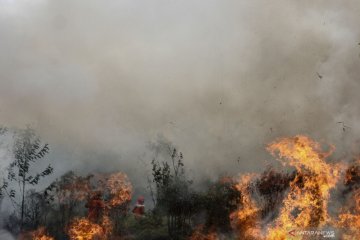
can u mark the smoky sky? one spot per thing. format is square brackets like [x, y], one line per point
[101, 81]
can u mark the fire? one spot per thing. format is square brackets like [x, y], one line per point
[120, 189]
[272, 205]
[245, 219]
[200, 234]
[352, 174]
[349, 217]
[40, 234]
[307, 201]
[107, 225]
[83, 229]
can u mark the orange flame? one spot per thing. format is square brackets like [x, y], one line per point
[40, 234]
[120, 189]
[107, 226]
[307, 202]
[245, 219]
[349, 220]
[83, 229]
[199, 234]
[349, 217]
[304, 199]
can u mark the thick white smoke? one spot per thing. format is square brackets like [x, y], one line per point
[219, 79]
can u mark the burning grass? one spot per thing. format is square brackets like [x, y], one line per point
[267, 206]
[40, 234]
[304, 195]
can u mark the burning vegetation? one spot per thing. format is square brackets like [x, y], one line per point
[40, 234]
[306, 202]
[277, 205]
[310, 193]
[84, 229]
[201, 234]
[117, 192]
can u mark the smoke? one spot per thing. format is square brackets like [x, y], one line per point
[218, 79]
[4, 235]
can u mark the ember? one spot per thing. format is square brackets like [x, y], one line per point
[40, 234]
[200, 234]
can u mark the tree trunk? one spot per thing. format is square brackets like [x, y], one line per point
[22, 204]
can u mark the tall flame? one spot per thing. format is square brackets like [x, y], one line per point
[349, 217]
[307, 202]
[300, 199]
[245, 220]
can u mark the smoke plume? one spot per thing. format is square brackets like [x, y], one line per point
[102, 80]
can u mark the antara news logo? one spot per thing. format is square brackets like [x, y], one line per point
[318, 234]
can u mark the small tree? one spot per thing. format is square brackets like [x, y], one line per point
[67, 193]
[66, 198]
[27, 150]
[36, 209]
[174, 196]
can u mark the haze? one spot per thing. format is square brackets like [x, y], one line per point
[101, 80]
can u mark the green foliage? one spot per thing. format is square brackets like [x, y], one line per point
[178, 207]
[27, 151]
[174, 196]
